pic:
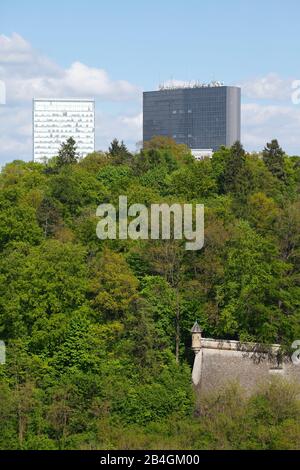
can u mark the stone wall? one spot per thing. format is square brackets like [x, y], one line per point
[219, 362]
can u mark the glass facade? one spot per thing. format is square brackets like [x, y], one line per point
[54, 121]
[201, 118]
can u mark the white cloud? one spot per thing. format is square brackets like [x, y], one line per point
[78, 80]
[18, 60]
[16, 133]
[123, 127]
[261, 123]
[14, 49]
[134, 122]
[27, 73]
[272, 115]
[87, 80]
[270, 87]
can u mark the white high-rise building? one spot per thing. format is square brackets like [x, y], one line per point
[55, 120]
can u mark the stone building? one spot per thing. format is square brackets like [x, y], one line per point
[218, 362]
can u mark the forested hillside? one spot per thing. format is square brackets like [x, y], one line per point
[98, 332]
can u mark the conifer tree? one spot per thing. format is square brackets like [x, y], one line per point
[119, 152]
[234, 165]
[273, 156]
[67, 153]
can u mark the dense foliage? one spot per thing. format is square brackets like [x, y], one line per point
[97, 332]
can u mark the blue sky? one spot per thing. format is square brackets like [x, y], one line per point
[136, 45]
[148, 41]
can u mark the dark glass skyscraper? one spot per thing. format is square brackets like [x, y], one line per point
[202, 117]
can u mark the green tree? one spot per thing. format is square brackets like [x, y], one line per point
[180, 152]
[273, 156]
[119, 152]
[193, 181]
[49, 215]
[94, 162]
[19, 224]
[67, 153]
[250, 294]
[98, 332]
[150, 159]
[113, 286]
[233, 168]
[37, 282]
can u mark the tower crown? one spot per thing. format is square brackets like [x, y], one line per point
[196, 337]
[196, 328]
